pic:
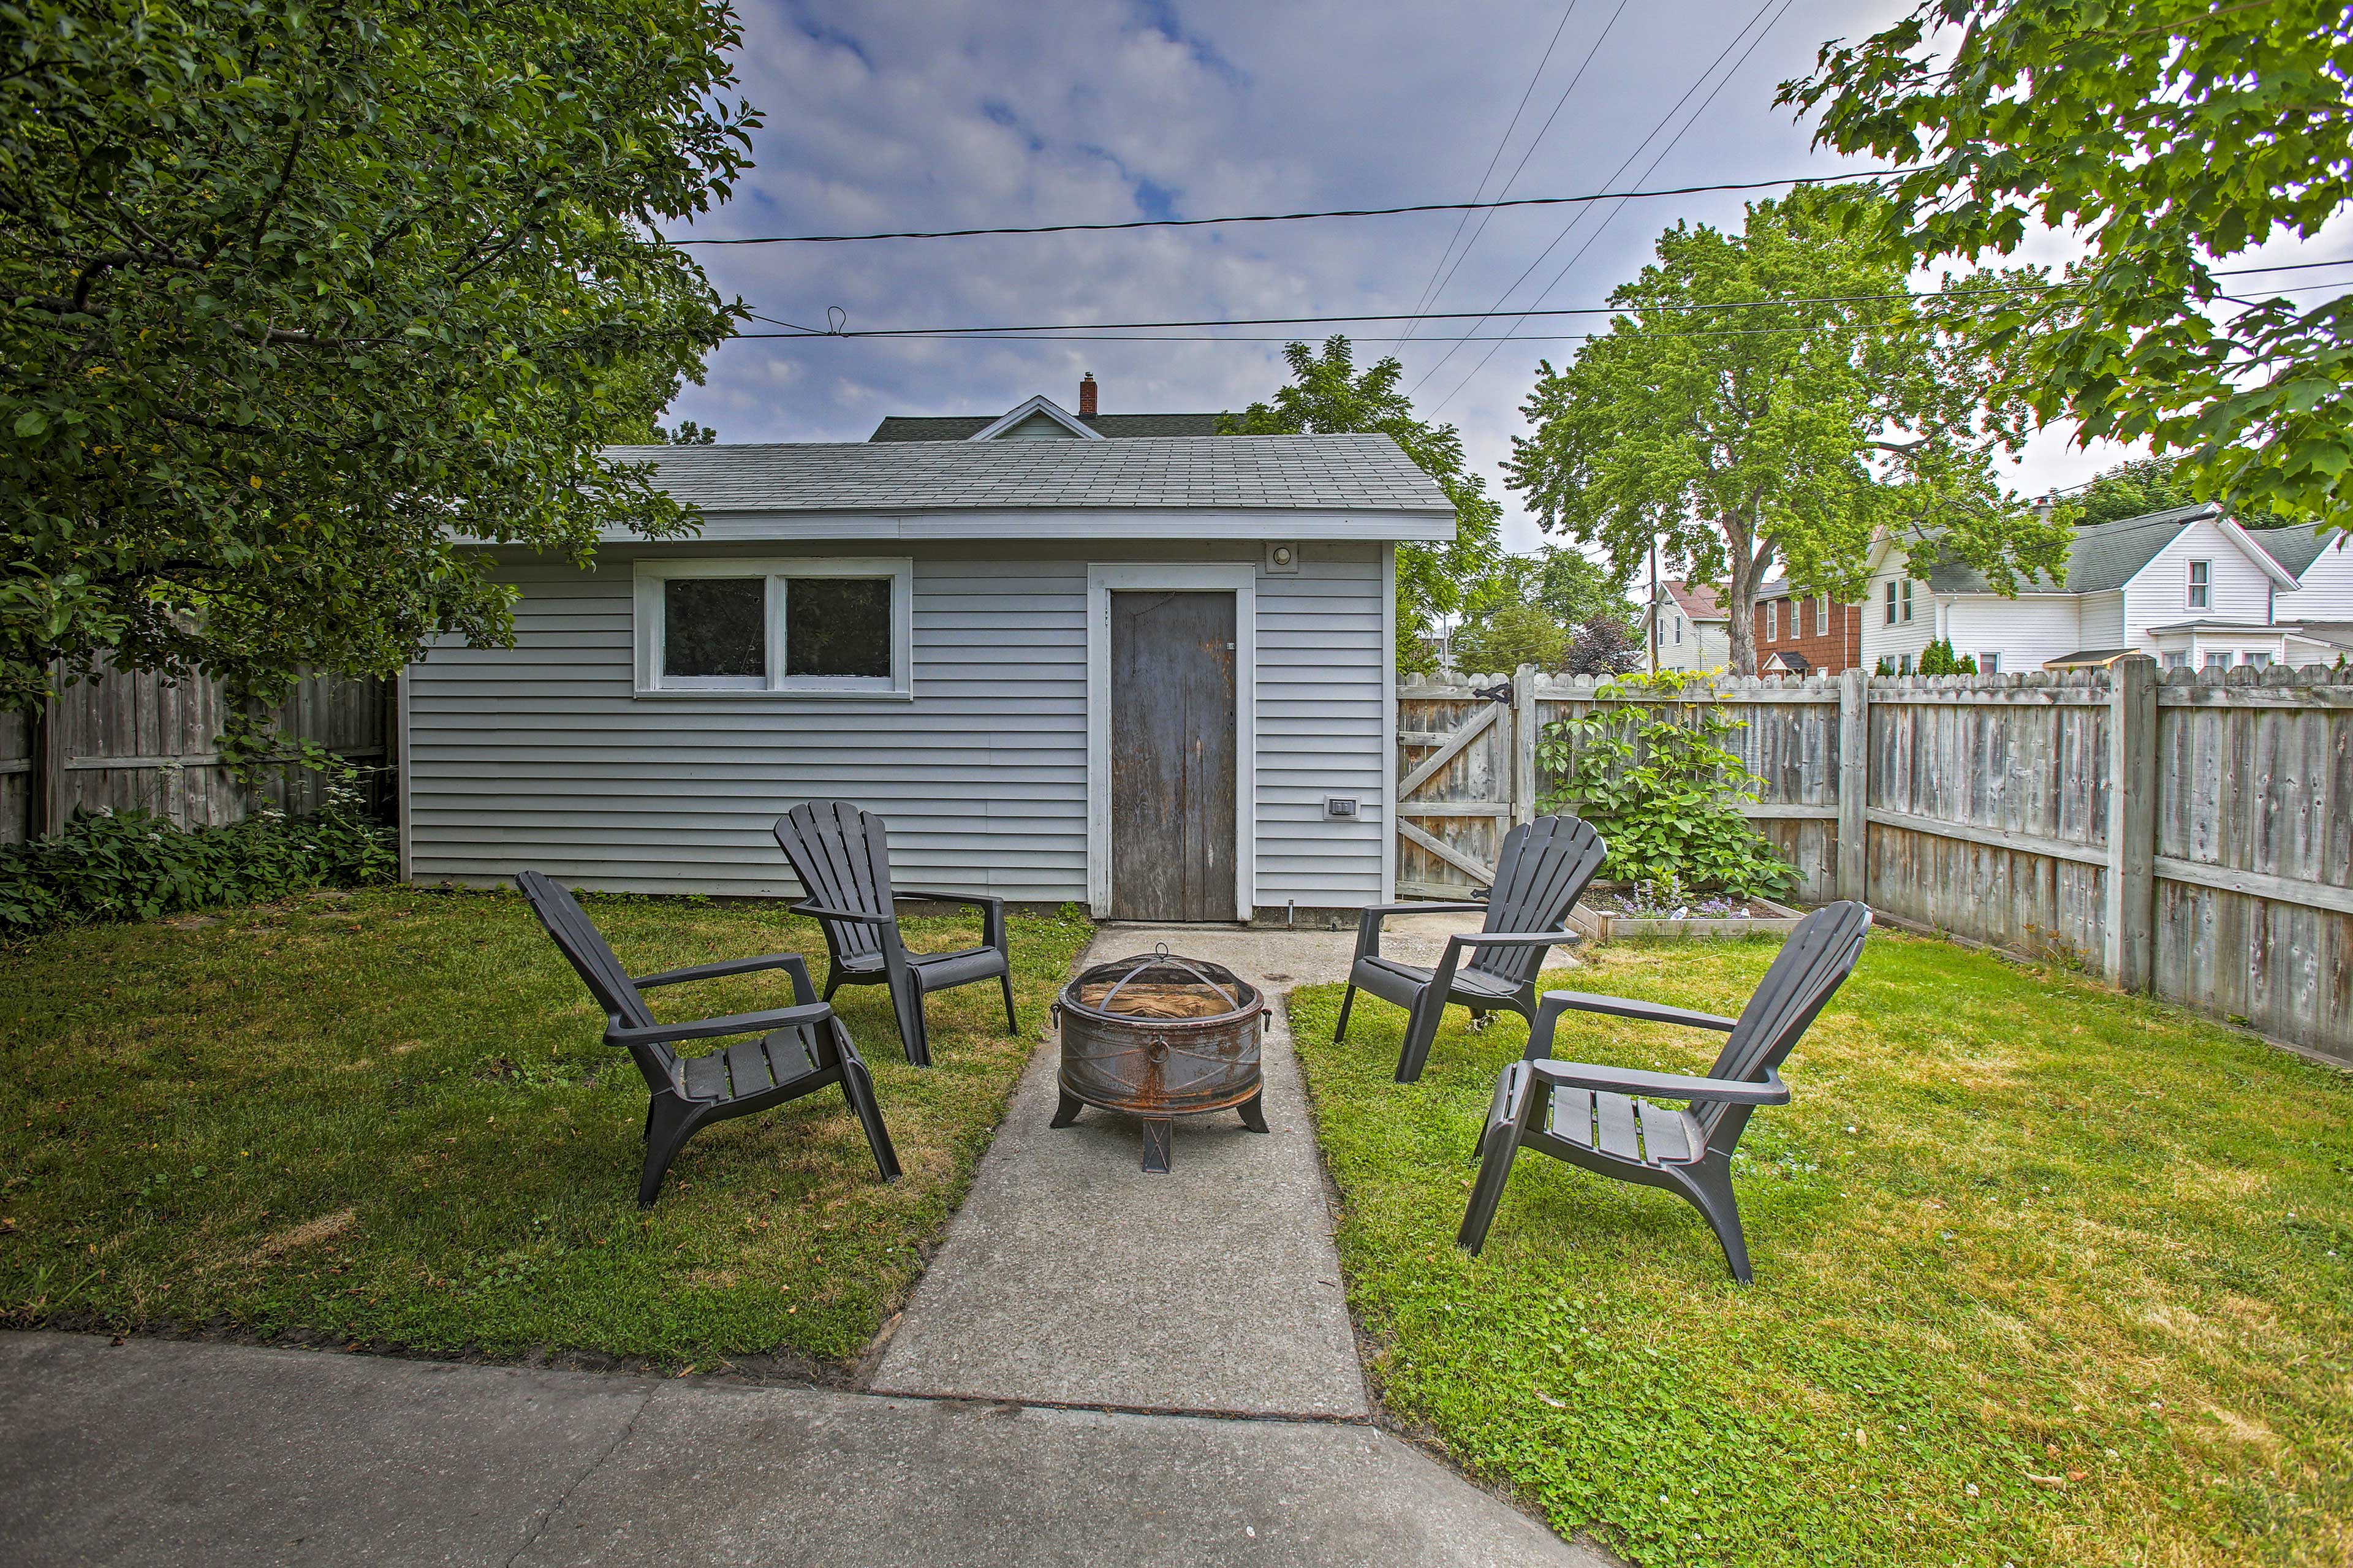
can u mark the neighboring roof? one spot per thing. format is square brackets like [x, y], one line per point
[2340, 632]
[1336, 473]
[1697, 604]
[2214, 624]
[1112, 426]
[1784, 659]
[2103, 556]
[2294, 548]
[1041, 408]
[2097, 657]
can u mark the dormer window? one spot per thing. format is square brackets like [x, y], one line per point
[2201, 584]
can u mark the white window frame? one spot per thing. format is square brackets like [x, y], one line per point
[2176, 659]
[652, 576]
[1772, 620]
[1908, 601]
[2199, 590]
[2216, 658]
[1988, 664]
[2257, 657]
[1891, 601]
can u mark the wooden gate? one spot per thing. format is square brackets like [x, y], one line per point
[1462, 781]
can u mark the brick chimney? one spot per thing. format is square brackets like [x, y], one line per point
[1087, 395]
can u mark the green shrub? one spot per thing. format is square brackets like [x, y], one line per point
[131, 865]
[1655, 778]
[1938, 658]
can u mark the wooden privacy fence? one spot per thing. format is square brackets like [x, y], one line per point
[134, 741]
[2188, 833]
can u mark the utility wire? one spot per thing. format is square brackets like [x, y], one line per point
[1061, 328]
[1664, 121]
[1302, 216]
[1113, 331]
[1427, 295]
[1570, 265]
[1487, 216]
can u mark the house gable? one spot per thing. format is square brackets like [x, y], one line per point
[1039, 419]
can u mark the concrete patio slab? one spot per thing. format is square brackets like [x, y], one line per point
[1072, 1276]
[171, 1453]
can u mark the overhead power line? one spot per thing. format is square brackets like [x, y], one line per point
[1301, 217]
[1062, 331]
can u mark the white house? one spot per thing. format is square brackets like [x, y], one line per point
[1695, 630]
[2189, 587]
[1048, 663]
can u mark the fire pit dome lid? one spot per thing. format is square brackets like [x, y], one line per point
[1190, 973]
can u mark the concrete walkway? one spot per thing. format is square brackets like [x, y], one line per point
[1101, 1367]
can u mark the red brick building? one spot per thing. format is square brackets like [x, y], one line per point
[1809, 636]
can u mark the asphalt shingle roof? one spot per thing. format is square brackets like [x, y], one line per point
[2294, 548]
[1112, 426]
[1352, 473]
[2103, 556]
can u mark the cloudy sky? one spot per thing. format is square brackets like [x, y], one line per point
[943, 114]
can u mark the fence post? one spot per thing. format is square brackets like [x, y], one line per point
[1523, 743]
[2132, 824]
[1854, 786]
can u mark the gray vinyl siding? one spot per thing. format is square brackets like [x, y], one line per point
[543, 756]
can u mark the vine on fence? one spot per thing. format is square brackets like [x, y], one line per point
[1651, 772]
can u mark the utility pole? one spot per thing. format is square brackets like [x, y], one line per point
[1654, 604]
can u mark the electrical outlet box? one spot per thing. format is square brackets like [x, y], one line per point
[1345, 808]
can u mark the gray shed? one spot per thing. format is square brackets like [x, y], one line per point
[1155, 676]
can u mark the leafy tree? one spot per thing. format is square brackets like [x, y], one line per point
[1327, 395]
[1603, 645]
[289, 296]
[1791, 437]
[2171, 135]
[1568, 585]
[1513, 636]
[2143, 485]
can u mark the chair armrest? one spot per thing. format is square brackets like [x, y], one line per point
[712, 1028]
[1517, 938]
[1556, 1003]
[823, 913]
[1664, 1085]
[976, 899]
[1369, 919]
[791, 962]
[991, 907]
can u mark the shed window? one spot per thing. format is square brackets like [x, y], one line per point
[813, 628]
[717, 631]
[2201, 578]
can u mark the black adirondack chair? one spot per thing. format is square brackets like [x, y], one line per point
[797, 1050]
[1544, 866]
[1591, 1116]
[843, 857]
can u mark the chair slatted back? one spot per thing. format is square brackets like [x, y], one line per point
[1544, 867]
[843, 857]
[1811, 967]
[577, 938]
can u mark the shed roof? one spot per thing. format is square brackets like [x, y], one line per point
[1331, 473]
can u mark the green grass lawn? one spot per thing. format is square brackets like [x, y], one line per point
[2045, 1275]
[388, 1116]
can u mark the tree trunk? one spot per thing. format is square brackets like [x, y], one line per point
[1740, 600]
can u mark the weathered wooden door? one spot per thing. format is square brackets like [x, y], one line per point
[1172, 756]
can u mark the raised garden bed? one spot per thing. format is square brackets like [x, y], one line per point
[1608, 909]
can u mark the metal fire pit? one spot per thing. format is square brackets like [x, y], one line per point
[1159, 1036]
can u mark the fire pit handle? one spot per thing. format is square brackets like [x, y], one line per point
[1160, 951]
